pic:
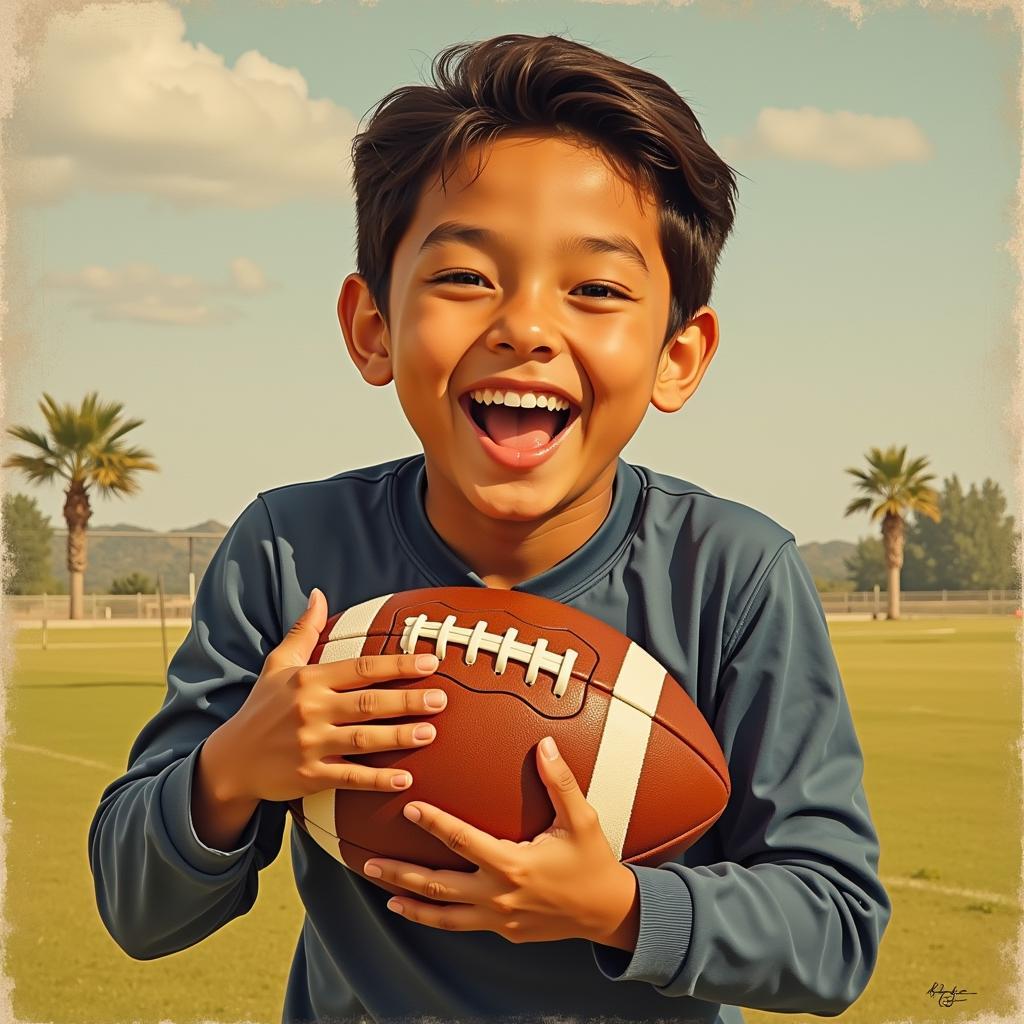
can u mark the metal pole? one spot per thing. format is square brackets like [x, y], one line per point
[163, 620]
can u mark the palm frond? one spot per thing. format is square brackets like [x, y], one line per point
[30, 436]
[36, 468]
[85, 445]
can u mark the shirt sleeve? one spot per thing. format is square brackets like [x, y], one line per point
[792, 918]
[160, 889]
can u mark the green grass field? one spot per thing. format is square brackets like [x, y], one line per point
[937, 707]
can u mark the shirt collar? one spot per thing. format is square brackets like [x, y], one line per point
[444, 568]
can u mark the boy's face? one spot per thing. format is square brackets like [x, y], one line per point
[528, 308]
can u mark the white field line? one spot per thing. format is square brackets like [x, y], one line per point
[952, 890]
[24, 748]
[909, 632]
[101, 645]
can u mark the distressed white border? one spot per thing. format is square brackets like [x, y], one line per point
[21, 25]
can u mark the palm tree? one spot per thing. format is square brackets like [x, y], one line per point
[893, 488]
[84, 448]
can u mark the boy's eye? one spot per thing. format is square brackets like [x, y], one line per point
[452, 274]
[615, 293]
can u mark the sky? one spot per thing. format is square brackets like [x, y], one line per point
[181, 219]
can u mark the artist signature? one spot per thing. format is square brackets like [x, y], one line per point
[949, 996]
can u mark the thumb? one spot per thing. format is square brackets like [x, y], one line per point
[298, 643]
[571, 806]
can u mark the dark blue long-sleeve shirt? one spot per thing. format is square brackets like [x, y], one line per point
[778, 906]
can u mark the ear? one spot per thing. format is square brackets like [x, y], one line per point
[366, 335]
[684, 360]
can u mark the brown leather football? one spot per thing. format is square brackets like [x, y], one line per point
[516, 668]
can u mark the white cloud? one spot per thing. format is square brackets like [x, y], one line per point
[142, 293]
[840, 139]
[118, 101]
[851, 8]
[248, 277]
[637, 3]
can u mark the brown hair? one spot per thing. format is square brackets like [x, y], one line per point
[644, 128]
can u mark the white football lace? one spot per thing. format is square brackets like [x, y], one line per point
[535, 656]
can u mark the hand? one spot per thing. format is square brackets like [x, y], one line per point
[298, 726]
[564, 883]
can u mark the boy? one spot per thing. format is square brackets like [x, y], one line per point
[526, 227]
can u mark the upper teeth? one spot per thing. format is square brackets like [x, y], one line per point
[526, 399]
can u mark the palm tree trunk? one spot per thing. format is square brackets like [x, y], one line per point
[892, 541]
[77, 588]
[894, 593]
[77, 514]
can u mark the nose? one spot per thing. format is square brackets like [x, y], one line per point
[524, 328]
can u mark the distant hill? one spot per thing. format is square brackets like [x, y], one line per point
[113, 557]
[825, 562]
[109, 558]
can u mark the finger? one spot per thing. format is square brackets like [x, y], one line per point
[357, 740]
[342, 774]
[469, 842]
[450, 918]
[296, 647]
[443, 886]
[370, 669]
[571, 807]
[375, 702]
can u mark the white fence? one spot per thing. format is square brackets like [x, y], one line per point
[54, 607]
[923, 602]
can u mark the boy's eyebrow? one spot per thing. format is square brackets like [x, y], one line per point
[480, 237]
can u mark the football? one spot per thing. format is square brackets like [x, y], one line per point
[516, 668]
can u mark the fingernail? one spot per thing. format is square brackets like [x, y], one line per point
[436, 699]
[400, 781]
[426, 662]
[423, 732]
[412, 813]
[312, 595]
[372, 870]
[548, 748]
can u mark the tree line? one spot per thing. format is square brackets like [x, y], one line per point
[972, 546]
[29, 570]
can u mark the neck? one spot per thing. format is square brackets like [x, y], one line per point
[504, 552]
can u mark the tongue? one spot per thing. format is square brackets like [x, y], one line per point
[520, 428]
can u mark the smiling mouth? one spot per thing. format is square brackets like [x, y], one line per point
[518, 428]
